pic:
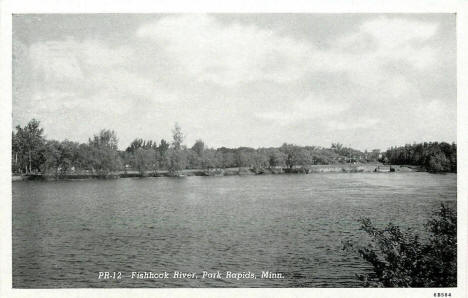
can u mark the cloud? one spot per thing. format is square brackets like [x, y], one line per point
[351, 125]
[442, 117]
[123, 83]
[72, 54]
[227, 54]
[366, 53]
[55, 60]
[398, 32]
[230, 80]
[90, 75]
[312, 107]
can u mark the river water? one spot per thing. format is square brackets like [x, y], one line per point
[66, 232]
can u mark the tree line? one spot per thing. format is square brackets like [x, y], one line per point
[32, 153]
[434, 156]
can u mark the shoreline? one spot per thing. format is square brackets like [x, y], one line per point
[338, 168]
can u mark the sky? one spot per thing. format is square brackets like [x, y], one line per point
[364, 80]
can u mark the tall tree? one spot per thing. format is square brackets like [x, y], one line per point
[177, 157]
[29, 144]
[177, 137]
[163, 155]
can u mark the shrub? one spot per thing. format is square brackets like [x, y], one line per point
[400, 259]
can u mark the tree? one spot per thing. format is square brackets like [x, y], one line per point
[156, 158]
[296, 156]
[177, 157]
[143, 160]
[277, 158]
[135, 145]
[226, 158]
[438, 163]
[69, 155]
[177, 161]
[288, 151]
[245, 156]
[260, 160]
[199, 147]
[32, 153]
[400, 259]
[86, 158]
[209, 159]
[177, 137]
[105, 139]
[53, 156]
[163, 156]
[301, 157]
[15, 151]
[28, 143]
[103, 151]
[435, 157]
[337, 146]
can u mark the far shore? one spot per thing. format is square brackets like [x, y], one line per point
[337, 168]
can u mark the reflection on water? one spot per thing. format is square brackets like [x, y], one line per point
[65, 232]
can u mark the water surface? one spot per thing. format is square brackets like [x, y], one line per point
[65, 232]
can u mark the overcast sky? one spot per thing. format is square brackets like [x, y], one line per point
[364, 80]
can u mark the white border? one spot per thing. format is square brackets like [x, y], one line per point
[245, 6]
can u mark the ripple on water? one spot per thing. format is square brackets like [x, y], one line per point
[65, 233]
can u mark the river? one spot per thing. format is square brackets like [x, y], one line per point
[66, 232]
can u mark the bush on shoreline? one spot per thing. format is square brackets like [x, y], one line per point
[400, 259]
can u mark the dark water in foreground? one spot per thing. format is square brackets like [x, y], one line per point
[65, 232]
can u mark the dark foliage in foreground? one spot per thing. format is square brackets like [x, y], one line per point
[400, 259]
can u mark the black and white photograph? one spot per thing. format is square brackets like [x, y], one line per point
[234, 150]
